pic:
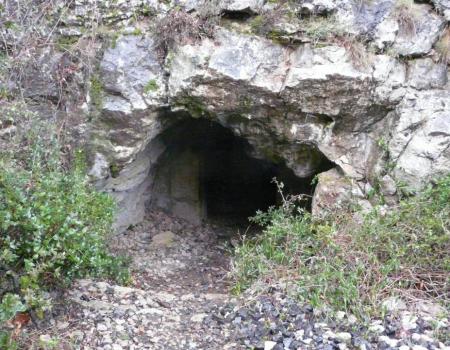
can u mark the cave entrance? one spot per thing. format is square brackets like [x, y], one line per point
[207, 173]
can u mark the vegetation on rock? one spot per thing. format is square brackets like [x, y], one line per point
[180, 27]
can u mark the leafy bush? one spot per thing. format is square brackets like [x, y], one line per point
[52, 223]
[9, 306]
[355, 265]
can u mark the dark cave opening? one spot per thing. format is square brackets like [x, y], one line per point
[207, 173]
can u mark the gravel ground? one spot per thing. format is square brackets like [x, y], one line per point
[180, 299]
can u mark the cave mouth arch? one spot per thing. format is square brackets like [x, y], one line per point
[207, 173]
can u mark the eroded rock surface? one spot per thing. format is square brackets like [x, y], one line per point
[359, 86]
[300, 105]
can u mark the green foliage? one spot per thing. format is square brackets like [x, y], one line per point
[383, 144]
[354, 266]
[194, 105]
[136, 32]
[151, 86]
[257, 24]
[114, 37]
[6, 341]
[65, 43]
[146, 10]
[322, 28]
[114, 170]
[52, 225]
[265, 23]
[10, 25]
[96, 92]
[10, 305]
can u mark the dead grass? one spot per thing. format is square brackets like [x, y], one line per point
[264, 23]
[442, 47]
[356, 50]
[180, 27]
[406, 14]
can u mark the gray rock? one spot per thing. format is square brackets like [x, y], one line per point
[319, 7]
[388, 341]
[427, 27]
[394, 304]
[388, 188]
[269, 345]
[408, 321]
[304, 106]
[419, 145]
[133, 71]
[443, 6]
[249, 6]
[102, 327]
[430, 309]
[344, 337]
[425, 74]
[376, 327]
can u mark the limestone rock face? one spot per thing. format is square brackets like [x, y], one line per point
[303, 105]
[425, 74]
[420, 143]
[444, 7]
[87, 12]
[250, 6]
[133, 90]
[309, 93]
[426, 27]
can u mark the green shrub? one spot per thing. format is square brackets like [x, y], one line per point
[10, 305]
[355, 266]
[52, 223]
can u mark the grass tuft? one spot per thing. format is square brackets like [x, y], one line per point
[442, 47]
[406, 13]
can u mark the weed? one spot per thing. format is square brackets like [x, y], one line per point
[136, 32]
[195, 106]
[442, 47]
[96, 92]
[406, 14]
[180, 27]
[114, 37]
[322, 28]
[65, 43]
[351, 266]
[356, 51]
[114, 170]
[383, 144]
[151, 86]
[146, 10]
[264, 23]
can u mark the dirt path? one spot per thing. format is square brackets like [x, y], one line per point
[180, 275]
[180, 299]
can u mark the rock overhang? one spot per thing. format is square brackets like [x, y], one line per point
[290, 103]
